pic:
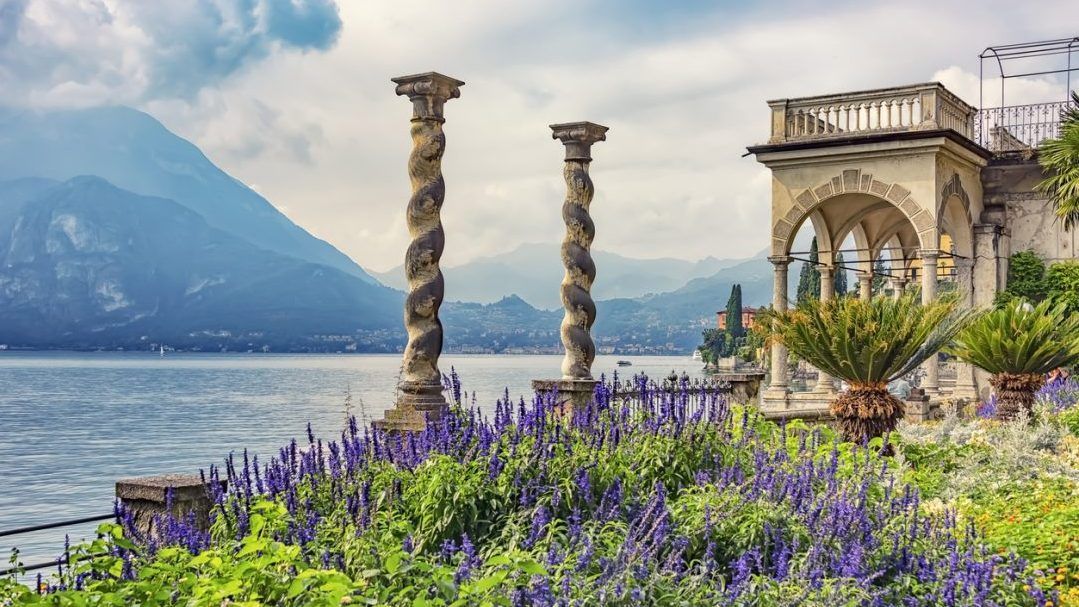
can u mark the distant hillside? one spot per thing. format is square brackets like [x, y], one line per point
[86, 264]
[533, 272]
[135, 152]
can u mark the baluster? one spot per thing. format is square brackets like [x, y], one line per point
[905, 117]
[876, 113]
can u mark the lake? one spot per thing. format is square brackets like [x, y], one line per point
[73, 423]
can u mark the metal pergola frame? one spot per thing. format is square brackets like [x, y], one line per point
[1005, 54]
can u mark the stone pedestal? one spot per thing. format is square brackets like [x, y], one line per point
[570, 394]
[745, 385]
[147, 498]
[917, 406]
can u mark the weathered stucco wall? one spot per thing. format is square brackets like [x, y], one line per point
[1010, 200]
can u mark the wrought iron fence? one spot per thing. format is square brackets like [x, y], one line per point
[22, 568]
[1018, 127]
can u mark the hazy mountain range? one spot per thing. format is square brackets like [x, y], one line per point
[533, 272]
[114, 232]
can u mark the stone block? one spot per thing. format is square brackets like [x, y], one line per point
[569, 393]
[148, 499]
[897, 193]
[851, 180]
[806, 200]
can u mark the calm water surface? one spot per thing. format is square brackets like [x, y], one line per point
[72, 423]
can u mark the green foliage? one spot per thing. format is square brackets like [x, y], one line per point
[1060, 159]
[867, 342]
[880, 276]
[1026, 279]
[1062, 284]
[734, 313]
[840, 276]
[1018, 483]
[1020, 339]
[809, 277]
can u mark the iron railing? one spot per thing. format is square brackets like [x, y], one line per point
[1018, 127]
[43, 527]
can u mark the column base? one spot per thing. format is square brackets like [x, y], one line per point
[571, 393]
[416, 404]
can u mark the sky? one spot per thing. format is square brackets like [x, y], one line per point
[293, 97]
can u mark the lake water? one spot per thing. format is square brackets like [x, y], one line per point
[73, 423]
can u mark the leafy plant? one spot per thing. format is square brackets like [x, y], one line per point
[667, 496]
[867, 344]
[1060, 158]
[1018, 345]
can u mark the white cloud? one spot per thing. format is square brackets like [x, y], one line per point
[323, 134]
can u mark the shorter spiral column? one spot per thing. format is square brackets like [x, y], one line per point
[577, 384]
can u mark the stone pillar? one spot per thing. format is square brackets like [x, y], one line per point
[931, 383]
[965, 385]
[420, 392]
[825, 383]
[865, 286]
[899, 286]
[577, 384]
[780, 381]
[991, 251]
[147, 499]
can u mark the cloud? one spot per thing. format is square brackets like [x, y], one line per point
[683, 89]
[90, 52]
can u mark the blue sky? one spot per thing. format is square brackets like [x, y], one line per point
[293, 97]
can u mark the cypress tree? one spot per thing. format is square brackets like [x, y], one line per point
[840, 276]
[809, 277]
[880, 280]
[734, 312]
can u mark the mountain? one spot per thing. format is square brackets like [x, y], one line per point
[135, 152]
[533, 272]
[84, 263]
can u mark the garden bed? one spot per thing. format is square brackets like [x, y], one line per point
[670, 497]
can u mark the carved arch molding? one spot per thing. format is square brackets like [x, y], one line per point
[854, 181]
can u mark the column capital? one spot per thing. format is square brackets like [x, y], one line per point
[578, 138]
[780, 260]
[825, 270]
[929, 254]
[428, 92]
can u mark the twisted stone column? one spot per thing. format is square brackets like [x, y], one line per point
[421, 385]
[580, 311]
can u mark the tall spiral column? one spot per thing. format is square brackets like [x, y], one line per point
[577, 384]
[420, 391]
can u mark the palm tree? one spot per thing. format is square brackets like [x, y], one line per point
[1060, 158]
[868, 345]
[1018, 345]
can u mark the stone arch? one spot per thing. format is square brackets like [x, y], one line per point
[953, 216]
[851, 181]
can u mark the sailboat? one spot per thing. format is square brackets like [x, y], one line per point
[162, 351]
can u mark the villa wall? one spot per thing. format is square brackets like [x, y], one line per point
[1010, 200]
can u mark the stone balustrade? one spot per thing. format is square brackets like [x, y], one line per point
[909, 108]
